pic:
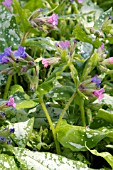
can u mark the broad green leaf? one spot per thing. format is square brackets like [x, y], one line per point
[106, 155]
[80, 34]
[75, 137]
[25, 104]
[7, 162]
[22, 132]
[45, 87]
[8, 30]
[98, 23]
[45, 161]
[44, 43]
[22, 16]
[106, 115]
[61, 93]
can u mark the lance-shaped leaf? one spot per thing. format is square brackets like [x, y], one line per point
[45, 161]
[75, 137]
[22, 132]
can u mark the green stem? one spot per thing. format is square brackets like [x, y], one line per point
[15, 79]
[51, 125]
[7, 87]
[24, 38]
[82, 112]
[64, 110]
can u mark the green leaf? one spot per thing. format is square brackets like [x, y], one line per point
[22, 16]
[99, 22]
[44, 43]
[7, 162]
[106, 155]
[80, 34]
[75, 137]
[26, 104]
[45, 87]
[61, 93]
[22, 132]
[91, 63]
[106, 115]
[36, 160]
[8, 30]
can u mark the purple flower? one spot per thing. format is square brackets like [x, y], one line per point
[99, 94]
[12, 130]
[11, 102]
[53, 19]
[3, 59]
[2, 139]
[7, 3]
[7, 51]
[20, 52]
[64, 44]
[96, 80]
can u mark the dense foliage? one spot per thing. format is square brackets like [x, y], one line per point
[56, 84]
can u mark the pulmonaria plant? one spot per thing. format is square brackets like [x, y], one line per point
[7, 3]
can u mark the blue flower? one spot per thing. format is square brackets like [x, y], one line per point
[12, 130]
[96, 80]
[20, 52]
[2, 139]
[4, 56]
[2, 114]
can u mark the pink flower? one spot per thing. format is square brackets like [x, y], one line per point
[45, 62]
[7, 3]
[99, 94]
[53, 19]
[110, 60]
[11, 102]
[64, 44]
[80, 1]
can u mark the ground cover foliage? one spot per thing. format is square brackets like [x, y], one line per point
[56, 84]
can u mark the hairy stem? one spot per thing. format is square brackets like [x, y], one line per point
[7, 87]
[82, 112]
[51, 125]
[64, 110]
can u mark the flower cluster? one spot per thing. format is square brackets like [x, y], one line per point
[5, 137]
[91, 87]
[6, 56]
